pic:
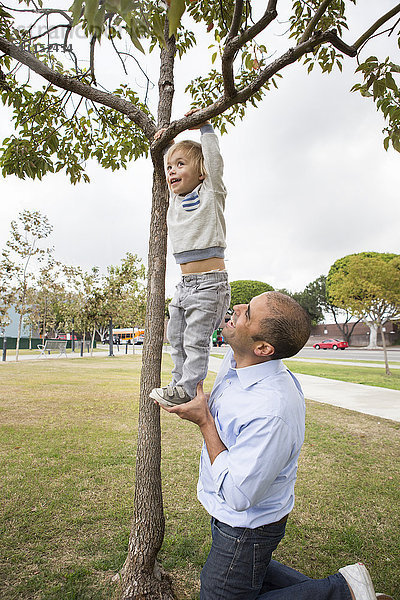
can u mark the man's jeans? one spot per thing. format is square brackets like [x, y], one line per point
[197, 309]
[239, 567]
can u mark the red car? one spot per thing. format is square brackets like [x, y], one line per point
[331, 344]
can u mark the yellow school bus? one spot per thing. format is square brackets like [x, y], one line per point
[128, 335]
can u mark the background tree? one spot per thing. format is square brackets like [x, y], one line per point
[368, 285]
[315, 300]
[312, 299]
[6, 293]
[72, 119]
[124, 291]
[46, 304]
[345, 320]
[243, 290]
[22, 253]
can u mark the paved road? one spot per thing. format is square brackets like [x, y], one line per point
[350, 354]
[367, 399]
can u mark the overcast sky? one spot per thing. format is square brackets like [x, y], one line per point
[307, 176]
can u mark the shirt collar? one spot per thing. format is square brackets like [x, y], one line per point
[194, 193]
[248, 376]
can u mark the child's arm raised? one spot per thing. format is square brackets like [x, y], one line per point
[213, 161]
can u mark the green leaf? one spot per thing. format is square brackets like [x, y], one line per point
[76, 10]
[132, 33]
[175, 12]
[91, 7]
[390, 82]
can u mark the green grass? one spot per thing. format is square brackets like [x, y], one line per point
[365, 375]
[350, 360]
[67, 458]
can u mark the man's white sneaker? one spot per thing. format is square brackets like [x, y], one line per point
[359, 581]
[170, 395]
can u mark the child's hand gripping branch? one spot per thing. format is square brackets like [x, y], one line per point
[196, 228]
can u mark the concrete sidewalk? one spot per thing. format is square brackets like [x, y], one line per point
[368, 399]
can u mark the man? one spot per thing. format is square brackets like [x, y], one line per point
[253, 428]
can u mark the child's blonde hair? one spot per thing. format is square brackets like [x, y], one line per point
[193, 152]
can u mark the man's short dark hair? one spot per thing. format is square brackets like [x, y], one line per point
[287, 327]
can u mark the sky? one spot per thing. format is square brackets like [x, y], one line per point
[307, 176]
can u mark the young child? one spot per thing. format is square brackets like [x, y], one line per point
[196, 227]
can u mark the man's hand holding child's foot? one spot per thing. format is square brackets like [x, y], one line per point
[172, 395]
[196, 410]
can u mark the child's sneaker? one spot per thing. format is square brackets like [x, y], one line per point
[170, 395]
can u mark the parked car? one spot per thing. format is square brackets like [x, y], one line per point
[331, 344]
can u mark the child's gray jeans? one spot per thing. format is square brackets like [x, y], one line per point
[197, 309]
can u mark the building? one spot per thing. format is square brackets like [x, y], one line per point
[359, 337]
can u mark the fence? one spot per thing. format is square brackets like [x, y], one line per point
[24, 343]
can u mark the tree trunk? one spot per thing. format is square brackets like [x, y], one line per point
[21, 316]
[92, 340]
[373, 335]
[387, 370]
[141, 577]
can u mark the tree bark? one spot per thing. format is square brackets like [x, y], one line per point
[373, 335]
[141, 576]
[387, 369]
[21, 316]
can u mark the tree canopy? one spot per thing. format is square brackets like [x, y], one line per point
[368, 285]
[243, 290]
[74, 117]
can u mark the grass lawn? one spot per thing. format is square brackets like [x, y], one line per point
[358, 360]
[67, 456]
[365, 375]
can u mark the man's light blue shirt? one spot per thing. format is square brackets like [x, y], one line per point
[259, 413]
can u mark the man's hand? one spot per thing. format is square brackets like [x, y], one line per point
[196, 410]
[192, 112]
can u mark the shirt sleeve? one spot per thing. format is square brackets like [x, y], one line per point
[244, 474]
[213, 161]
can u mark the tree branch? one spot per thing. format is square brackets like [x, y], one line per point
[225, 102]
[237, 15]
[234, 44]
[309, 30]
[91, 61]
[339, 44]
[166, 79]
[74, 85]
[394, 11]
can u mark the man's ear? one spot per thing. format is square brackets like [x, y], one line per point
[263, 349]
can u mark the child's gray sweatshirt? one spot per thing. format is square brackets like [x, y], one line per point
[196, 223]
